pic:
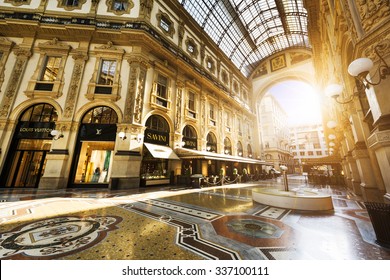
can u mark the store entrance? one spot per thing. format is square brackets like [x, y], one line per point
[94, 164]
[26, 157]
[94, 150]
[28, 163]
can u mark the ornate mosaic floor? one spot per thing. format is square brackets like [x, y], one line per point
[186, 224]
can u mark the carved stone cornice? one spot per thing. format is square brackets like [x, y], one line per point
[140, 59]
[379, 139]
[372, 13]
[371, 39]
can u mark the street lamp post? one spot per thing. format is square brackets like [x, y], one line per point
[284, 170]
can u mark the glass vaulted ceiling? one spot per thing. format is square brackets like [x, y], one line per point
[248, 31]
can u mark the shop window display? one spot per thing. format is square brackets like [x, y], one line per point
[95, 162]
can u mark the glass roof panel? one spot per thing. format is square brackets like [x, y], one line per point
[248, 31]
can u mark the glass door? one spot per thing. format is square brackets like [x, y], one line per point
[28, 163]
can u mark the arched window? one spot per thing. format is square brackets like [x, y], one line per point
[40, 113]
[211, 145]
[239, 149]
[101, 115]
[157, 123]
[249, 148]
[189, 132]
[227, 146]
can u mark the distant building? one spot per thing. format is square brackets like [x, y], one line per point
[307, 142]
[275, 133]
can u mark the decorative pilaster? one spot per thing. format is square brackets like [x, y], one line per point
[80, 58]
[180, 31]
[22, 56]
[5, 48]
[136, 90]
[146, 7]
[203, 113]
[179, 97]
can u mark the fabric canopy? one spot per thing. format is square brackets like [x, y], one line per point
[195, 154]
[159, 151]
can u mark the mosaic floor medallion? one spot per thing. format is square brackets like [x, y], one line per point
[55, 237]
[255, 228]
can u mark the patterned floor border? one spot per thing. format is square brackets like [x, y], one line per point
[278, 253]
[188, 236]
[273, 213]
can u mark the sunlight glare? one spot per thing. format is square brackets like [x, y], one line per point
[300, 101]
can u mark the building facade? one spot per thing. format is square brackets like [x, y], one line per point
[116, 94]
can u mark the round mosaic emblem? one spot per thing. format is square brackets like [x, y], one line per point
[255, 228]
[55, 237]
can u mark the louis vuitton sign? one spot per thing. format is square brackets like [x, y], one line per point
[35, 130]
[98, 132]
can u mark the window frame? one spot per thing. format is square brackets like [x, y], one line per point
[191, 43]
[164, 18]
[37, 87]
[70, 7]
[110, 6]
[157, 101]
[18, 3]
[210, 64]
[212, 114]
[96, 90]
[191, 105]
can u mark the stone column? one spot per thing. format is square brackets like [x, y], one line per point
[347, 174]
[127, 159]
[354, 174]
[368, 187]
[379, 142]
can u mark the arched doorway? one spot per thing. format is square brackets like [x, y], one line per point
[94, 148]
[25, 163]
[155, 168]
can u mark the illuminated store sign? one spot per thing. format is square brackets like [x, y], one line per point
[190, 143]
[156, 137]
